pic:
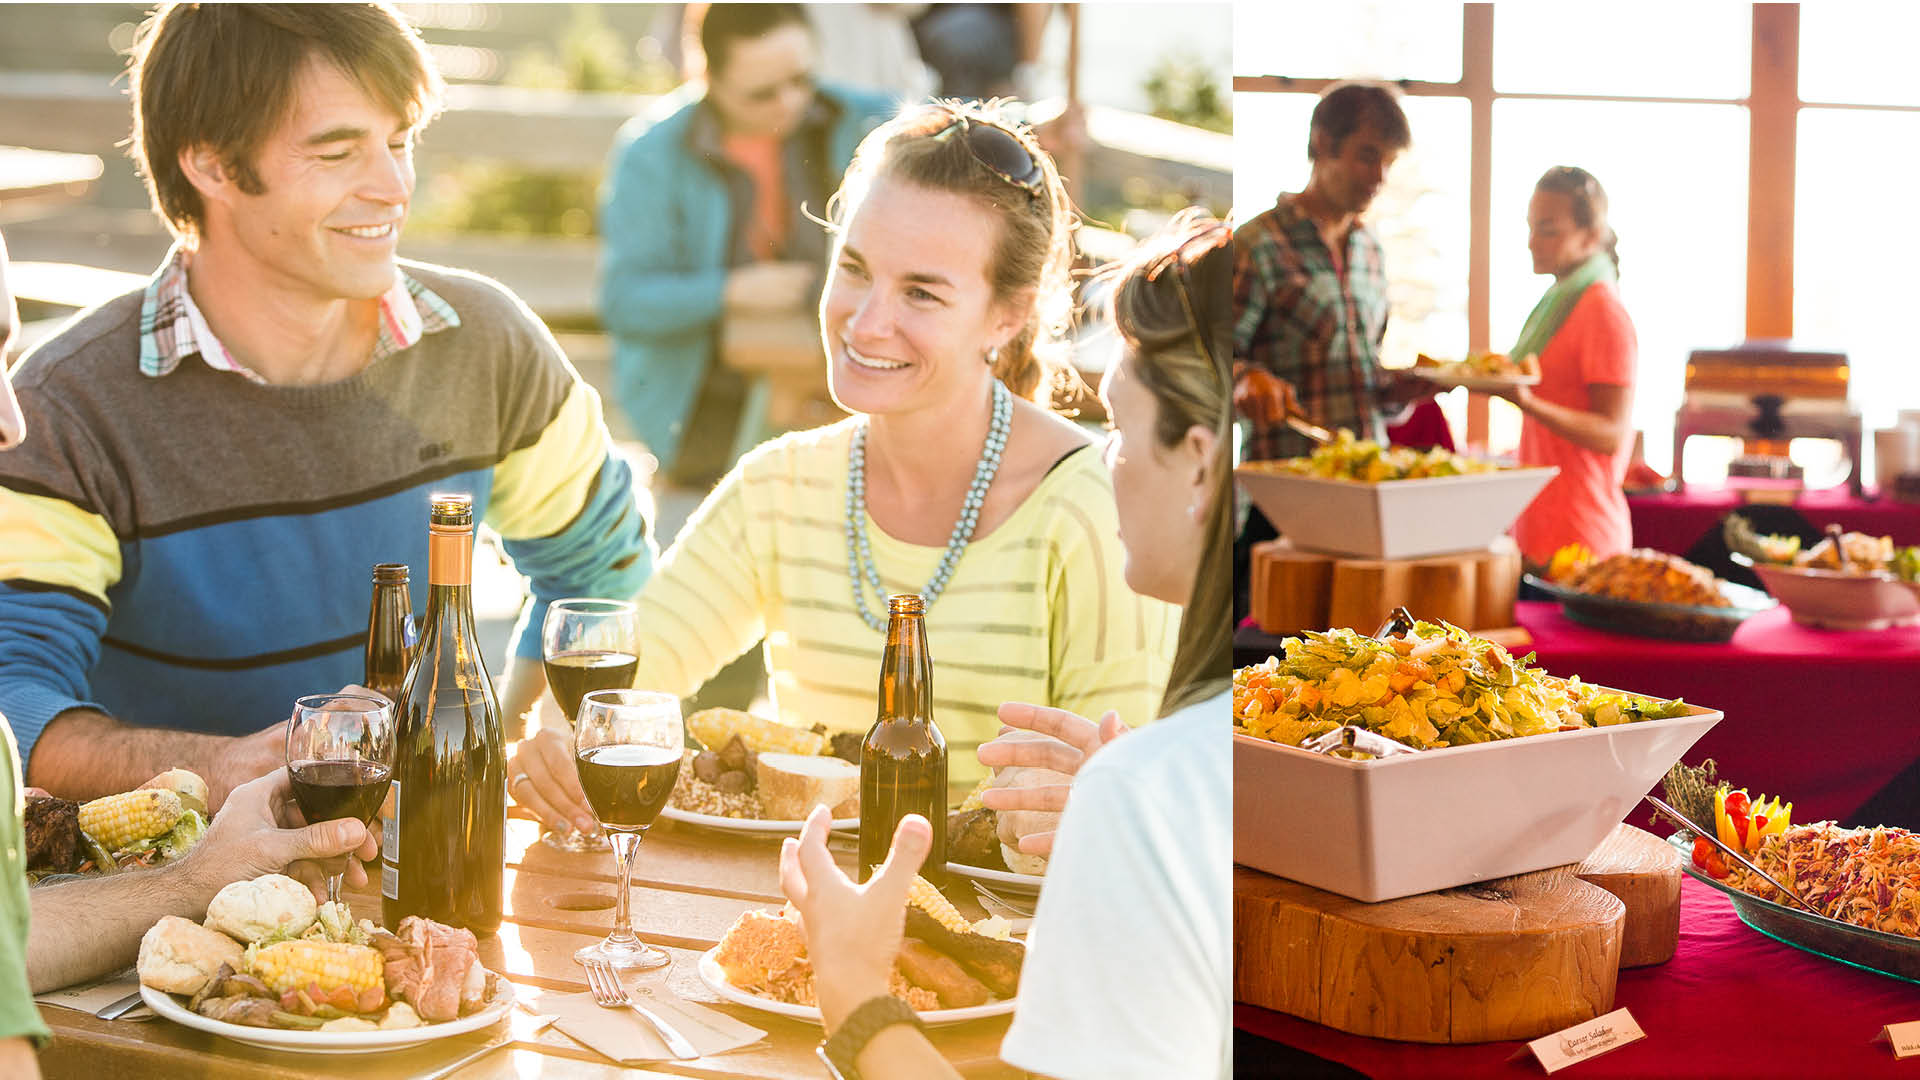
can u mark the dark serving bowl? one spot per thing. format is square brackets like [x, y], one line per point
[1680, 622]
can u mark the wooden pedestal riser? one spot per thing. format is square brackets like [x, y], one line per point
[1644, 872]
[1295, 590]
[1515, 958]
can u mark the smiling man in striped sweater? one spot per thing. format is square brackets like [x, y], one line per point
[219, 457]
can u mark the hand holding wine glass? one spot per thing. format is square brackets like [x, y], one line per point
[586, 645]
[340, 759]
[628, 754]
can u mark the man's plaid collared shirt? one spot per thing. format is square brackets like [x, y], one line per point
[1318, 329]
[172, 327]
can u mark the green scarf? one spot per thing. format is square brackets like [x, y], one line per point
[1552, 309]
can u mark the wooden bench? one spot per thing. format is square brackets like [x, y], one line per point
[60, 285]
[33, 179]
[68, 284]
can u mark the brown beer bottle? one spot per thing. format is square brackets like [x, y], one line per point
[443, 854]
[390, 634]
[903, 761]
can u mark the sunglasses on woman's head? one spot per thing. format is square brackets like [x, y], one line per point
[1177, 260]
[999, 151]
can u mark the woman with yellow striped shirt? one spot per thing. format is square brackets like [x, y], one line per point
[941, 322]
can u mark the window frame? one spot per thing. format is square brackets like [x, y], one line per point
[1773, 107]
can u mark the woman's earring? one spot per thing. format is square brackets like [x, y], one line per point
[1193, 510]
[993, 355]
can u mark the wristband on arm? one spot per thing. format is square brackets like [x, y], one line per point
[874, 1015]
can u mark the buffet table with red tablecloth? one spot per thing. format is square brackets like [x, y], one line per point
[1674, 521]
[1824, 718]
[1731, 1003]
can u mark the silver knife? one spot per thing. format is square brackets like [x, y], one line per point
[117, 1009]
[676, 1042]
[521, 1028]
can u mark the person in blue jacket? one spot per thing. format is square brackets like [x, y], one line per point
[706, 210]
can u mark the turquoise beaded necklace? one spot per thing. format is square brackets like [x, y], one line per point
[862, 570]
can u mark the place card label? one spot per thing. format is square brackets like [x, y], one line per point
[1582, 1041]
[1904, 1038]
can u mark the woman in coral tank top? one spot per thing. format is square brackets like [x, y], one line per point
[1577, 417]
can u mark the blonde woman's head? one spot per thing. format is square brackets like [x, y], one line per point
[951, 263]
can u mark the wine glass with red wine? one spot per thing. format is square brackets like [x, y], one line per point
[340, 759]
[627, 748]
[587, 645]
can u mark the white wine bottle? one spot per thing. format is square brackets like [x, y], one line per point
[443, 853]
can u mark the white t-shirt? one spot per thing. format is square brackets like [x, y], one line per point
[1129, 969]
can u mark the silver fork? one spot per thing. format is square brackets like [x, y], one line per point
[604, 983]
[1023, 909]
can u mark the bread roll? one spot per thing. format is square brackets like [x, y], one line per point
[791, 785]
[1014, 824]
[1022, 863]
[179, 956]
[184, 783]
[251, 910]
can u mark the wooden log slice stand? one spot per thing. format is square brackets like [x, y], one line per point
[1515, 958]
[1644, 872]
[1293, 590]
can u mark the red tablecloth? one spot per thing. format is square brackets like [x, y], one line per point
[1672, 522]
[1731, 1003]
[1823, 718]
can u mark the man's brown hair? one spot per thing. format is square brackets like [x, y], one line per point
[1349, 106]
[222, 76]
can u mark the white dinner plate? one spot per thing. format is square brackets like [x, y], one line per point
[1001, 880]
[716, 981]
[747, 825]
[1480, 384]
[330, 1042]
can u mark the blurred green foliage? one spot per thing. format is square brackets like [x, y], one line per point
[1186, 89]
[485, 196]
[492, 197]
[590, 56]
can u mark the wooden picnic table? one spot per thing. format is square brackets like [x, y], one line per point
[689, 883]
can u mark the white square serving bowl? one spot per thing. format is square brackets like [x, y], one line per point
[1393, 519]
[1413, 823]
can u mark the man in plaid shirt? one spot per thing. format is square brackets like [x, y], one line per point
[1310, 285]
[1310, 296]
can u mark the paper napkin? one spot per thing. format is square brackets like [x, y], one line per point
[91, 997]
[622, 1035]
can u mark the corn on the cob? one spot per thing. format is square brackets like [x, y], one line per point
[923, 895]
[115, 821]
[297, 965]
[973, 799]
[713, 727]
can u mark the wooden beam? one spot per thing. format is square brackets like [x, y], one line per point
[1287, 84]
[1774, 108]
[1476, 78]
